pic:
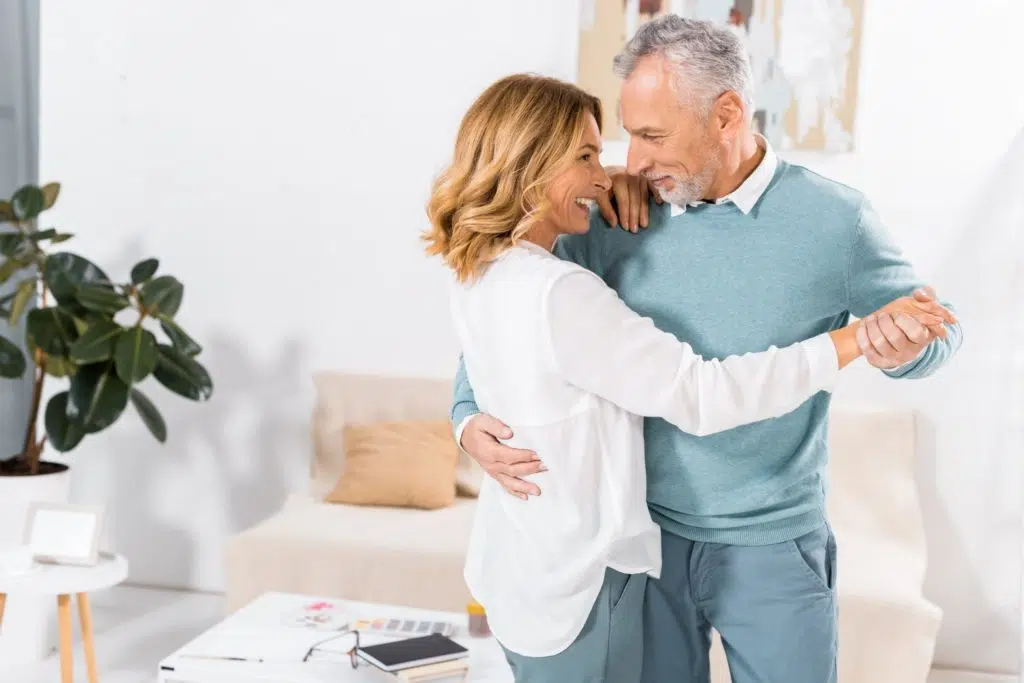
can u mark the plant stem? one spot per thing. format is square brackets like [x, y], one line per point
[32, 450]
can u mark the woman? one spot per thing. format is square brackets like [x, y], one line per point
[554, 351]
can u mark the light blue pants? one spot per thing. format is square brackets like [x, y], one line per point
[773, 605]
[610, 647]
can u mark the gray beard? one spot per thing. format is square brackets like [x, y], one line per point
[689, 189]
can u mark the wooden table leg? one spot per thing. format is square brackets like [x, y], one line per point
[66, 642]
[3, 603]
[85, 614]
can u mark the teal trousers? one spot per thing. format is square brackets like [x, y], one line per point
[609, 649]
[773, 605]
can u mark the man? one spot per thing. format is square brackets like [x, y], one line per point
[750, 252]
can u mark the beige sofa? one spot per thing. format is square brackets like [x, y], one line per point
[414, 557]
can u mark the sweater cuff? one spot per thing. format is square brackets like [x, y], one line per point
[461, 427]
[823, 361]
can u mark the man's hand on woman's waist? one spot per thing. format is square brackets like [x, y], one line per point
[481, 439]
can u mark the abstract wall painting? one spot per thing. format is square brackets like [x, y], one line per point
[804, 54]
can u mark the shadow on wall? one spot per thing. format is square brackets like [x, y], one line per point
[227, 464]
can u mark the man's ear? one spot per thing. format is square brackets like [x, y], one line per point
[729, 111]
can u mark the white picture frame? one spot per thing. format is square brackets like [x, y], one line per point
[64, 533]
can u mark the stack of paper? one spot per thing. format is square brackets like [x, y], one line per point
[442, 672]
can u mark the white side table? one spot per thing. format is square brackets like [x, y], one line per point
[65, 581]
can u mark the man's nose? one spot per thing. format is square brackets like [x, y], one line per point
[636, 161]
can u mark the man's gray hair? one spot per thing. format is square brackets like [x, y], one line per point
[708, 59]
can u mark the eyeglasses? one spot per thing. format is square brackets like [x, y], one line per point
[352, 653]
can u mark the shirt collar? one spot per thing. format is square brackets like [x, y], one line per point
[746, 196]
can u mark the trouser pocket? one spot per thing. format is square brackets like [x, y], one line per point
[815, 556]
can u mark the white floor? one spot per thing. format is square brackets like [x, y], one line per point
[134, 628]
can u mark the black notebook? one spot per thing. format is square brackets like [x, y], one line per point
[403, 654]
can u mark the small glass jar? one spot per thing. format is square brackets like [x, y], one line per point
[478, 627]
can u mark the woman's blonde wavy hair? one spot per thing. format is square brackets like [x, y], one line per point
[512, 142]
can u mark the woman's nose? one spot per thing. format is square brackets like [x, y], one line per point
[602, 180]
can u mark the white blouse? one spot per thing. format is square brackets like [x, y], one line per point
[554, 353]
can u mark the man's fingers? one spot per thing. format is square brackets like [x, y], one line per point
[522, 469]
[518, 487]
[917, 331]
[503, 455]
[877, 337]
[892, 333]
[604, 203]
[873, 344]
[870, 355]
[932, 324]
[925, 293]
[491, 425]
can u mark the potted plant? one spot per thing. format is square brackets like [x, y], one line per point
[98, 335]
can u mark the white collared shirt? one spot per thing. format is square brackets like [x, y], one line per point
[746, 196]
[554, 353]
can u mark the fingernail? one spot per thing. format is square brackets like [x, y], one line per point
[507, 433]
[543, 469]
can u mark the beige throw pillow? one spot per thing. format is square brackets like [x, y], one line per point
[398, 464]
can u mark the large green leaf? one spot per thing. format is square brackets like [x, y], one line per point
[96, 343]
[135, 355]
[12, 360]
[162, 295]
[179, 338]
[97, 396]
[150, 415]
[143, 270]
[66, 272]
[27, 202]
[102, 298]
[22, 297]
[52, 330]
[59, 366]
[12, 244]
[50, 192]
[181, 374]
[62, 431]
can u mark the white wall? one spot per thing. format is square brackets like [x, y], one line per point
[277, 162]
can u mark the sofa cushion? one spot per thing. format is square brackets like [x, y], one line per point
[403, 464]
[343, 398]
[398, 556]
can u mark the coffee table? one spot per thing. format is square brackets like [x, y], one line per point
[262, 643]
